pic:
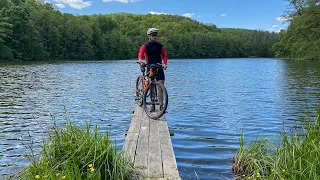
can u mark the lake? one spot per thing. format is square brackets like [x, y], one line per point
[211, 101]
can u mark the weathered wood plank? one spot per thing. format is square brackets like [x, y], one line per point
[149, 147]
[141, 157]
[154, 158]
[170, 169]
[136, 120]
[130, 144]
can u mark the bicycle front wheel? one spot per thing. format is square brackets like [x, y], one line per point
[155, 100]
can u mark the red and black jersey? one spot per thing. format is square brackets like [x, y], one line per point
[152, 51]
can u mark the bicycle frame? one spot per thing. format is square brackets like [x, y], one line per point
[147, 78]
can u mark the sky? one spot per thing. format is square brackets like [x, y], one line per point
[247, 14]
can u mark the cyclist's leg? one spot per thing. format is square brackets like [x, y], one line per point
[160, 78]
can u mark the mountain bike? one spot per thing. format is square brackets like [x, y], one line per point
[151, 94]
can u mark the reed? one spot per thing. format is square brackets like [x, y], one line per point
[70, 152]
[296, 157]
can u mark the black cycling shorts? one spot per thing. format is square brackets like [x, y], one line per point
[159, 75]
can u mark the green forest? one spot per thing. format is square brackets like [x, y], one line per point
[33, 30]
[302, 38]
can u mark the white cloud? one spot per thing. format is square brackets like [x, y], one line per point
[156, 13]
[122, 1]
[77, 4]
[188, 15]
[277, 31]
[60, 5]
[222, 15]
[281, 19]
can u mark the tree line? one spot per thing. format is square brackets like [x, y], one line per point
[302, 38]
[35, 30]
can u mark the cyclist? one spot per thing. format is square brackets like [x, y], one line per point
[152, 50]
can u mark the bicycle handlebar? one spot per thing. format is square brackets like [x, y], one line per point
[142, 64]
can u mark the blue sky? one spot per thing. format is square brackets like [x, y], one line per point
[248, 14]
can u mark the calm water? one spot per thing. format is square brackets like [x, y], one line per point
[210, 101]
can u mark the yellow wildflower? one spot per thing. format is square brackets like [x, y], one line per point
[57, 174]
[272, 170]
[63, 177]
[92, 169]
[243, 175]
[283, 170]
[90, 165]
[45, 176]
[248, 178]
[37, 177]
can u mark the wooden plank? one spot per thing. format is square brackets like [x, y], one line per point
[141, 157]
[170, 169]
[155, 169]
[149, 147]
[130, 144]
[136, 120]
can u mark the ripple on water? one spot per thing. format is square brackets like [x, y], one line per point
[210, 103]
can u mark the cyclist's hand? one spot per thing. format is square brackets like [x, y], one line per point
[139, 61]
[164, 66]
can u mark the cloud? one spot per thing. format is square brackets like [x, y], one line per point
[156, 13]
[122, 1]
[222, 15]
[60, 5]
[277, 31]
[77, 4]
[281, 19]
[188, 15]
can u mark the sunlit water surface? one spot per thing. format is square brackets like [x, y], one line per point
[210, 103]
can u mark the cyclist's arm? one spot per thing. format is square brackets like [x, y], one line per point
[142, 52]
[165, 58]
[164, 55]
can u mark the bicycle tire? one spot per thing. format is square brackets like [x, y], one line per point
[157, 113]
[139, 91]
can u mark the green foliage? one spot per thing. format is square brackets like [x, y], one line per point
[302, 39]
[297, 157]
[74, 153]
[34, 30]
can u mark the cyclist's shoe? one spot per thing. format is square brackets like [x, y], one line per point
[153, 108]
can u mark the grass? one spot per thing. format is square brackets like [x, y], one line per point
[75, 153]
[297, 157]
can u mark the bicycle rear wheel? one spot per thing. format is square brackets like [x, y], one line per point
[155, 100]
[139, 91]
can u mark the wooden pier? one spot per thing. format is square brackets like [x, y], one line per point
[149, 148]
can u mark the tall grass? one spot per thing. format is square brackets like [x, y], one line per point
[296, 157]
[75, 153]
